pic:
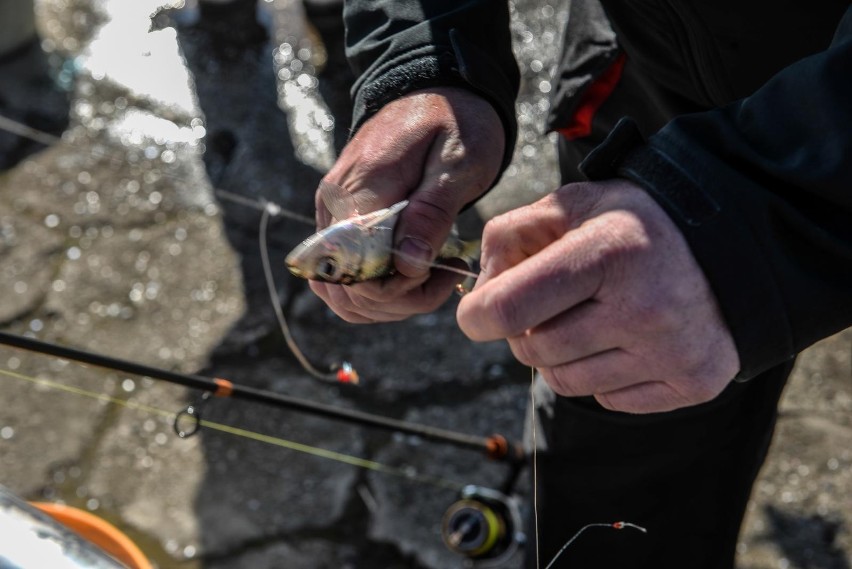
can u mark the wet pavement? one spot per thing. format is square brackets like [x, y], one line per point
[121, 238]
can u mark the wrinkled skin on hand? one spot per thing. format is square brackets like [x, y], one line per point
[596, 287]
[440, 149]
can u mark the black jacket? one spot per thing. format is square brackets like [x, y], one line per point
[756, 169]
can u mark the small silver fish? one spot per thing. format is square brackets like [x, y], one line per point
[360, 248]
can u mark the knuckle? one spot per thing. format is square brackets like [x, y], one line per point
[494, 228]
[473, 175]
[506, 313]
[697, 379]
[703, 385]
[429, 212]
[655, 314]
[524, 349]
[454, 153]
[494, 240]
[562, 381]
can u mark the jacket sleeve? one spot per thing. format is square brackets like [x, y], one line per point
[398, 46]
[762, 191]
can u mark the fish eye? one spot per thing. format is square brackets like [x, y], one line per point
[327, 268]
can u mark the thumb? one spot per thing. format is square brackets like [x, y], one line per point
[423, 228]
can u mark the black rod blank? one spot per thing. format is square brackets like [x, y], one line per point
[495, 446]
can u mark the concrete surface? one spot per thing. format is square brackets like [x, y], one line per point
[113, 239]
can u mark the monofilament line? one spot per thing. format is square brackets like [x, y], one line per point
[534, 465]
[364, 463]
[25, 131]
[616, 525]
[533, 431]
[269, 210]
[435, 265]
[274, 209]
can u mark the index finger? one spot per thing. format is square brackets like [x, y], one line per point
[562, 275]
[516, 235]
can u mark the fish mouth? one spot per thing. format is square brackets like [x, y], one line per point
[294, 268]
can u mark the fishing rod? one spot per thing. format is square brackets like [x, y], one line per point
[483, 525]
[496, 447]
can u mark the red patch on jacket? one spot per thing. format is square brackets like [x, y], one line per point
[595, 95]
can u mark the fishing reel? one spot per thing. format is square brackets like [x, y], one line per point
[484, 526]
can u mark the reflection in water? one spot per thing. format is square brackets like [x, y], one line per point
[296, 58]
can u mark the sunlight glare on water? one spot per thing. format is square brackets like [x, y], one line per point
[296, 58]
[134, 103]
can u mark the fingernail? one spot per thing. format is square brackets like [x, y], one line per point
[416, 252]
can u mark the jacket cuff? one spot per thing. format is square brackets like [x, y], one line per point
[461, 64]
[717, 231]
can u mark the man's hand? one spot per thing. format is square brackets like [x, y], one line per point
[440, 149]
[596, 287]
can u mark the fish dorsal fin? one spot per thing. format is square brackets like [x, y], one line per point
[382, 215]
[341, 205]
[339, 202]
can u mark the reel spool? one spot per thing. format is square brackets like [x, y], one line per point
[483, 526]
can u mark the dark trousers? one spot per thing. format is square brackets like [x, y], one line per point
[686, 475]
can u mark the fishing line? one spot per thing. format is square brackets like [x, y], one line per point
[271, 208]
[28, 132]
[435, 265]
[534, 465]
[359, 462]
[343, 372]
[616, 525]
[534, 461]
[495, 446]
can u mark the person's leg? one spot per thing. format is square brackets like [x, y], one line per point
[17, 25]
[686, 476]
[31, 95]
[232, 22]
